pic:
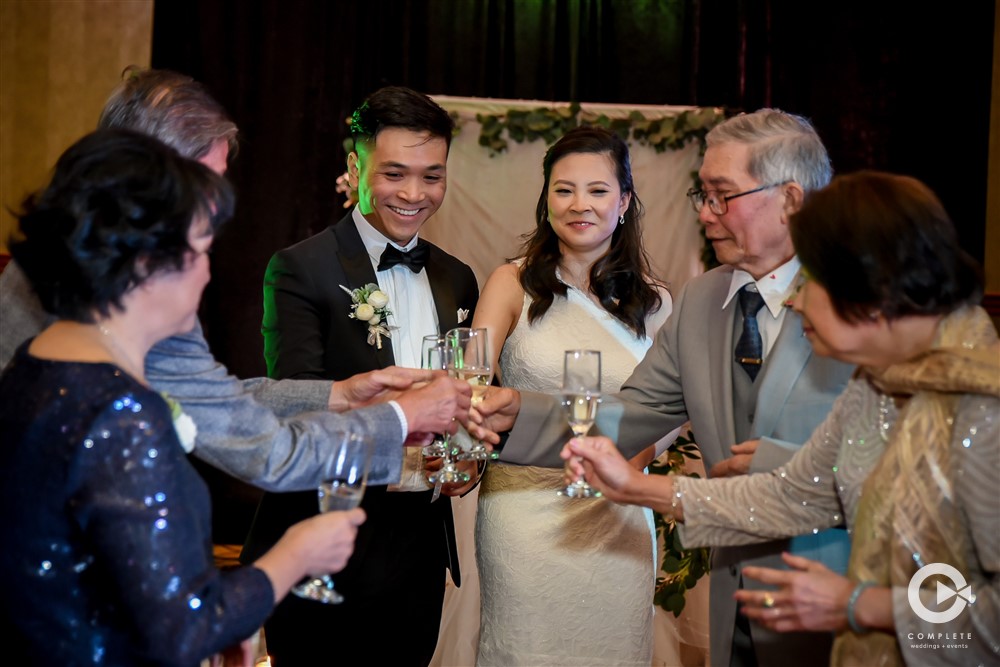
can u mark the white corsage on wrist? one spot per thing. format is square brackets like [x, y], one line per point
[187, 430]
[370, 305]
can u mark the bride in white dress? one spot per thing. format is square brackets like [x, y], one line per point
[569, 582]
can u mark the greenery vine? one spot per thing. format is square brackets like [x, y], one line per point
[682, 567]
[669, 132]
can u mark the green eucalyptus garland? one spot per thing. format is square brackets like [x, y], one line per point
[682, 567]
[668, 132]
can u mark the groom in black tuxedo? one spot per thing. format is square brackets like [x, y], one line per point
[394, 583]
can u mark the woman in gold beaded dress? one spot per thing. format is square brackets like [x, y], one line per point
[909, 457]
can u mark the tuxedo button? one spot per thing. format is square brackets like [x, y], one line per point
[732, 570]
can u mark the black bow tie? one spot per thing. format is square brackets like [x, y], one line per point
[415, 259]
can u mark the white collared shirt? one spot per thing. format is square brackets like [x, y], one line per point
[410, 297]
[776, 288]
[414, 316]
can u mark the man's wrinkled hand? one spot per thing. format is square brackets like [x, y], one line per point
[437, 407]
[738, 463]
[384, 384]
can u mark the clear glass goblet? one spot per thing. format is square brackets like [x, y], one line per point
[581, 394]
[474, 365]
[341, 492]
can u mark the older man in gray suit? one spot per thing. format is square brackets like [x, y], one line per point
[731, 359]
[272, 434]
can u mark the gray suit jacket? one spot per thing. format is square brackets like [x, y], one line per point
[272, 434]
[687, 375]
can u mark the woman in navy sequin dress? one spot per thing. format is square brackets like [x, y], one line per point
[106, 531]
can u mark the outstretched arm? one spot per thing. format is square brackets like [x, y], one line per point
[284, 449]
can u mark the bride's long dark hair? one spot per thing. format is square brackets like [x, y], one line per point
[621, 279]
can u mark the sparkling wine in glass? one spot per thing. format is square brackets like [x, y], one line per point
[341, 492]
[432, 358]
[581, 393]
[473, 364]
[443, 356]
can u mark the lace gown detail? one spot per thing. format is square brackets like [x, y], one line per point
[563, 582]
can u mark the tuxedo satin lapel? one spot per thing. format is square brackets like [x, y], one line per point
[444, 293]
[358, 269]
[785, 363]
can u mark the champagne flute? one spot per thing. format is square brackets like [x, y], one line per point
[431, 358]
[581, 394]
[444, 357]
[473, 364]
[341, 492]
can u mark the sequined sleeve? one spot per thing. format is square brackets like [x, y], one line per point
[144, 513]
[798, 498]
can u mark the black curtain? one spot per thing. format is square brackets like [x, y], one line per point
[889, 84]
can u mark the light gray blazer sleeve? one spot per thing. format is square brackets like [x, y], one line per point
[21, 313]
[263, 436]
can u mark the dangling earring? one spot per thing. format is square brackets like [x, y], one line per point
[621, 219]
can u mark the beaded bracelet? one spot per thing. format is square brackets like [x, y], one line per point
[852, 601]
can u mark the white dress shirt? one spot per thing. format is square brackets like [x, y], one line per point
[776, 288]
[414, 316]
[410, 297]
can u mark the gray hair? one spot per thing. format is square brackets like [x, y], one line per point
[783, 147]
[171, 107]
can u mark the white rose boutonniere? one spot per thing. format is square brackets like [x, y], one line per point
[187, 430]
[370, 305]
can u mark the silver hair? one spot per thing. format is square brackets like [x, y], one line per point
[171, 107]
[783, 147]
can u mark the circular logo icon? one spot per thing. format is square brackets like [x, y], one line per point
[960, 590]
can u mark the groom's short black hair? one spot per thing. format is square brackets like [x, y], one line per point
[396, 106]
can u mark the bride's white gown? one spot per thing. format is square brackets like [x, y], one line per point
[563, 582]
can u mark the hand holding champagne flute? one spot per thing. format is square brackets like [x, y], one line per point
[342, 491]
[432, 358]
[472, 364]
[581, 394]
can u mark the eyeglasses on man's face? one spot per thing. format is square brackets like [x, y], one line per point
[719, 203]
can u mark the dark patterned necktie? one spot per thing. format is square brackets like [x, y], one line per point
[750, 347]
[415, 259]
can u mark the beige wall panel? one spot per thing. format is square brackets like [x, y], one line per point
[59, 61]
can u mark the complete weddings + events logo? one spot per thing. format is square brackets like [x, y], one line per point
[963, 596]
